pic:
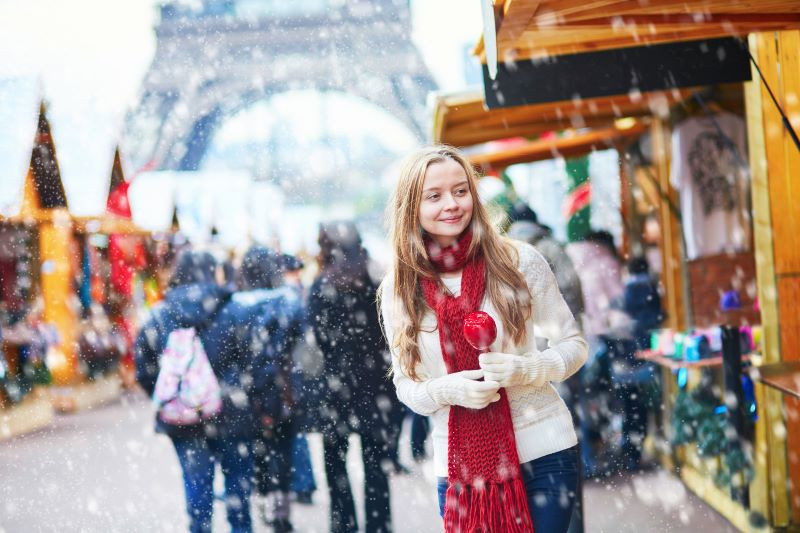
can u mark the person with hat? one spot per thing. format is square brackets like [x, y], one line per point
[270, 325]
[357, 396]
[195, 300]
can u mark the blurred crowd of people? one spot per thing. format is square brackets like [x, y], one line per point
[618, 305]
[293, 358]
[288, 359]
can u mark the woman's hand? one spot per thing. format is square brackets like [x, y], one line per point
[464, 389]
[511, 370]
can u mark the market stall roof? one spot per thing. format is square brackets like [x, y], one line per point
[43, 189]
[117, 202]
[462, 119]
[571, 145]
[539, 28]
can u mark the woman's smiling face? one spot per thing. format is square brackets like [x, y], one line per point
[446, 206]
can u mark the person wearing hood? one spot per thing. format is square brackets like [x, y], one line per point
[357, 395]
[278, 315]
[194, 300]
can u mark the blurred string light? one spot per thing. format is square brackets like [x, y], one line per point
[625, 123]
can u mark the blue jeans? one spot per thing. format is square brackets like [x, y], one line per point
[302, 473]
[197, 457]
[550, 483]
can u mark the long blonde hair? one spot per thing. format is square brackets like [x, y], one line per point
[505, 285]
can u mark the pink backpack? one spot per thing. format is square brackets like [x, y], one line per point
[187, 391]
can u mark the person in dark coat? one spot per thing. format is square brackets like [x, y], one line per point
[279, 313]
[243, 337]
[357, 395]
[633, 377]
[195, 300]
[642, 301]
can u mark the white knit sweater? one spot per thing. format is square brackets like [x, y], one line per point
[542, 422]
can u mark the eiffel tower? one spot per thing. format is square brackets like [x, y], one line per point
[216, 57]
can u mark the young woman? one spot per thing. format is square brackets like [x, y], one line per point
[503, 441]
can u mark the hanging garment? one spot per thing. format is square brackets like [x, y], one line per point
[710, 171]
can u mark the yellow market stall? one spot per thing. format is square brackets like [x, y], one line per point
[76, 295]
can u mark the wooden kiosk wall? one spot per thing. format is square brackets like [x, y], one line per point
[775, 168]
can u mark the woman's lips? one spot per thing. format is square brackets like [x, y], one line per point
[451, 220]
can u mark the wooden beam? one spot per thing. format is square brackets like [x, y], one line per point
[788, 251]
[682, 19]
[462, 120]
[787, 254]
[522, 12]
[472, 136]
[543, 44]
[558, 27]
[766, 493]
[571, 10]
[768, 173]
[671, 249]
[540, 150]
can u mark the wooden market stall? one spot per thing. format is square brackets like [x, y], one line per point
[24, 403]
[83, 356]
[589, 66]
[559, 62]
[44, 203]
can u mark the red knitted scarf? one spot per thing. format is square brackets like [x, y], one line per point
[485, 491]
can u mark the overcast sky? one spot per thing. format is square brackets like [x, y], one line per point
[88, 58]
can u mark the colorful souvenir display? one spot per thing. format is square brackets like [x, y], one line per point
[701, 343]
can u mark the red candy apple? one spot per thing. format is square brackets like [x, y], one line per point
[480, 330]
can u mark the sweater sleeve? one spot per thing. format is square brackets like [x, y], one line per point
[412, 393]
[567, 350]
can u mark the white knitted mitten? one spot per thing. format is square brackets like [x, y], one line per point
[464, 389]
[510, 370]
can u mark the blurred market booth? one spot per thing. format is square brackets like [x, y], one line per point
[71, 290]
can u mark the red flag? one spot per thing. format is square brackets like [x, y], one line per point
[117, 203]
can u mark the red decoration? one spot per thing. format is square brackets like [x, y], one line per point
[117, 203]
[480, 330]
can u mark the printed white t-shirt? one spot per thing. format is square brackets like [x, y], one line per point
[709, 170]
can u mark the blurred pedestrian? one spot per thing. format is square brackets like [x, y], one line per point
[608, 331]
[194, 300]
[504, 447]
[525, 227]
[642, 301]
[635, 379]
[307, 359]
[271, 315]
[599, 269]
[357, 397]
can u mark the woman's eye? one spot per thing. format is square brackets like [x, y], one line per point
[461, 192]
[433, 197]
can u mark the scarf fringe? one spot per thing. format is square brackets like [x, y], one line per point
[495, 508]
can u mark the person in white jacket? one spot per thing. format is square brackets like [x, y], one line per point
[450, 261]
